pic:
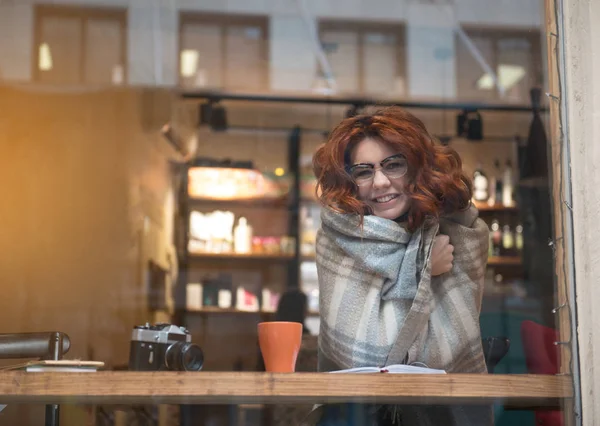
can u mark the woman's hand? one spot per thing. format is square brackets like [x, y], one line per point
[441, 255]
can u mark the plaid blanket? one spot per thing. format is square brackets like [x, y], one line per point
[380, 305]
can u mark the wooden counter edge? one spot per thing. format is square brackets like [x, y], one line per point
[238, 388]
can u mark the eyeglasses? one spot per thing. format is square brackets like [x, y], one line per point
[393, 167]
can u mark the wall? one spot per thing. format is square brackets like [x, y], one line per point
[16, 35]
[85, 204]
[581, 32]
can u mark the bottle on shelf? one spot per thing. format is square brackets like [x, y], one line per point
[496, 238]
[308, 237]
[498, 279]
[495, 185]
[508, 241]
[519, 238]
[242, 237]
[507, 186]
[480, 185]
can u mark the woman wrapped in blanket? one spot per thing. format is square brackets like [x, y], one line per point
[401, 257]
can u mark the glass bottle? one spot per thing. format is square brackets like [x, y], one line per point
[480, 185]
[519, 238]
[508, 241]
[496, 187]
[507, 186]
[496, 238]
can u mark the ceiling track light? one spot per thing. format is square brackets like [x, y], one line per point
[469, 125]
[214, 115]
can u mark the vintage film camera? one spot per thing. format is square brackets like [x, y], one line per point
[163, 347]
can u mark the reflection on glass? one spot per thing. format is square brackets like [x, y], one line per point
[218, 52]
[515, 61]
[45, 58]
[381, 65]
[63, 37]
[78, 46]
[102, 53]
[365, 58]
[342, 49]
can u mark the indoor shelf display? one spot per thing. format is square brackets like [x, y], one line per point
[216, 199]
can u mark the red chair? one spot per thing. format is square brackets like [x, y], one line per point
[542, 357]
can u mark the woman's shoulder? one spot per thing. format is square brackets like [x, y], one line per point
[466, 218]
[465, 224]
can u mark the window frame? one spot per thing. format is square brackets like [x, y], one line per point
[397, 29]
[224, 21]
[495, 34]
[84, 14]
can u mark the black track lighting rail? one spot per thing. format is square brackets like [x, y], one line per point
[216, 96]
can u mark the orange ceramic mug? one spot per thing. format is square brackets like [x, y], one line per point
[279, 344]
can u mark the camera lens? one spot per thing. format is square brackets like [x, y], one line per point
[182, 356]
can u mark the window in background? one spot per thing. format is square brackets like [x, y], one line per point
[365, 58]
[223, 51]
[80, 45]
[516, 58]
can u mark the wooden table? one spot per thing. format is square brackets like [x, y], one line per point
[249, 388]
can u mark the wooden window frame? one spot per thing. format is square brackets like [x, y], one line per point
[532, 35]
[397, 29]
[84, 14]
[224, 21]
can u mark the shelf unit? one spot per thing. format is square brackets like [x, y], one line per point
[191, 259]
[212, 310]
[485, 208]
[504, 261]
[215, 311]
[283, 257]
[293, 259]
[509, 214]
[275, 202]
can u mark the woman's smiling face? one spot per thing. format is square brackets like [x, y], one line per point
[381, 176]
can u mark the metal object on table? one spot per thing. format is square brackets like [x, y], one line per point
[34, 345]
[48, 345]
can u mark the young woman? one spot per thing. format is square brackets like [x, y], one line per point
[401, 257]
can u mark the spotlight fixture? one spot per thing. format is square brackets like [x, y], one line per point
[214, 115]
[469, 124]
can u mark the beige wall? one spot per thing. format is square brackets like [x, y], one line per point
[78, 178]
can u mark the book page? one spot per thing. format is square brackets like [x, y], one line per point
[359, 370]
[55, 365]
[394, 369]
[412, 369]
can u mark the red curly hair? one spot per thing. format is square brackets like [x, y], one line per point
[437, 184]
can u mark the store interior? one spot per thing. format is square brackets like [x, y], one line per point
[195, 205]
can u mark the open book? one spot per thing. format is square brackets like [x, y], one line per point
[394, 369]
[58, 366]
